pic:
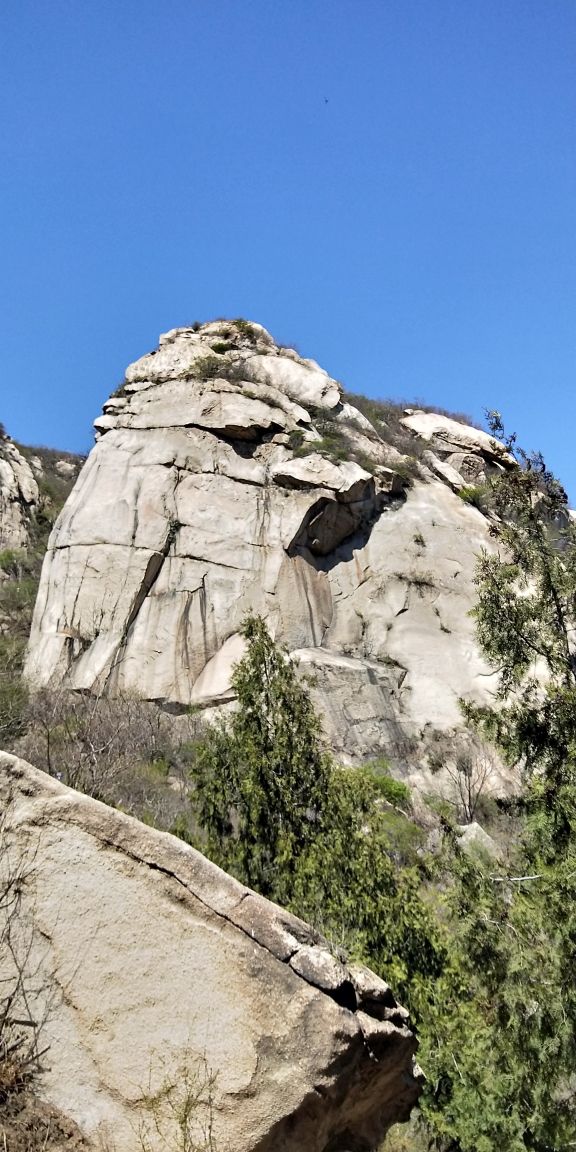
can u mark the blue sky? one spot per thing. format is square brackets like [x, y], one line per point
[388, 183]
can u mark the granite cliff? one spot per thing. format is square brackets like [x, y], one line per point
[230, 474]
[18, 495]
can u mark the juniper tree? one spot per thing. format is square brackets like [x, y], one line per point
[261, 777]
[281, 815]
[515, 926]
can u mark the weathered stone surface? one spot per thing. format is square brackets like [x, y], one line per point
[346, 414]
[152, 966]
[213, 685]
[193, 509]
[64, 468]
[469, 465]
[444, 471]
[452, 436]
[18, 495]
[315, 471]
[474, 836]
[303, 381]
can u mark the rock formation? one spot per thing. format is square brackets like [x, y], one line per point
[229, 475]
[18, 495]
[160, 982]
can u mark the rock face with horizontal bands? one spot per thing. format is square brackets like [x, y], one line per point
[18, 495]
[153, 968]
[211, 492]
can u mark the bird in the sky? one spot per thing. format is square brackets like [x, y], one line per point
[325, 99]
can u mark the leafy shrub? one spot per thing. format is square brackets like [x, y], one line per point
[475, 495]
[205, 368]
[280, 815]
[394, 791]
[246, 329]
[221, 348]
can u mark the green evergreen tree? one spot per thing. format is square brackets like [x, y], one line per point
[262, 777]
[283, 817]
[516, 931]
[485, 961]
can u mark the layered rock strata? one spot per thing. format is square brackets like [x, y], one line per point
[213, 490]
[159, 980]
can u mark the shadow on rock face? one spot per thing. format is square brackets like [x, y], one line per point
[333, 529]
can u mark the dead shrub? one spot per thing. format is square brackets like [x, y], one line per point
[122, 750]
[26, 1123]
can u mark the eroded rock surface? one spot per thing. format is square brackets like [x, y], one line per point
[156, 974]
[211, 492]
[18, 495]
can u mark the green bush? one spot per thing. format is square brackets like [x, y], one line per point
[246, 329]
[221, 348]
[392, 790]
[475, 495]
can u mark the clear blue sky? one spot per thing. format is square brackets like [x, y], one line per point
[388, 183]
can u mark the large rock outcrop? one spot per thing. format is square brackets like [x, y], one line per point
[211, 491]
[18, 495]
[165, 989]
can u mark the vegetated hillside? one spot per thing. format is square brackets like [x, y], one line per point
[232, 475]
[35, 483]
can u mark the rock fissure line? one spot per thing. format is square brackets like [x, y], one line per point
[155, 867]
[153, 569]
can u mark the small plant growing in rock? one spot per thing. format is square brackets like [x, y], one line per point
[475, 495]
[221, 348]
[421, 581]
[180, 1114]
[205, 368]
[394, 791]
[246, 329]
[120, 390]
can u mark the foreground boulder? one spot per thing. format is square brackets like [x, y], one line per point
[211, 492]
[163, 987]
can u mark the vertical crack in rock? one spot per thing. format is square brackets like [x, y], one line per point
[153, 569]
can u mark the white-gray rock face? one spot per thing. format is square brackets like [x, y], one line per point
[450, 435]
[152, 968]
[18, 495]
[197, 505]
